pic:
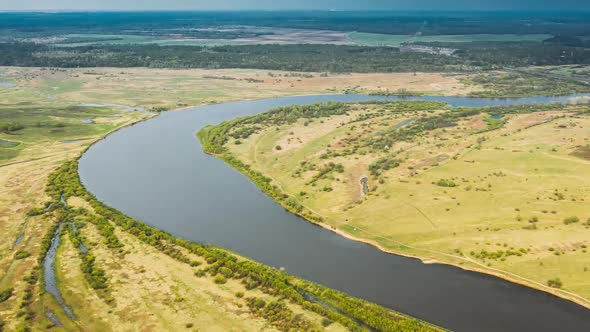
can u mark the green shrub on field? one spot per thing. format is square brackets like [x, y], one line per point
[446, 183]
[555, 283]
[5, 294]
[21, 254]
[571, 220]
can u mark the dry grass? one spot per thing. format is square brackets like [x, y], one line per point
[179, 88]
[525, 169]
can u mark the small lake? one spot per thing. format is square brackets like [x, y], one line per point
[156, 172]
[7, 85]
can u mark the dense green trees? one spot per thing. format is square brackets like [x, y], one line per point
[307, 58]
[383, 164]
[325, 170]
[279, 315]
[310, 58]
[95, 276]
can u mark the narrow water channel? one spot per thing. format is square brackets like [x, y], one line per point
[50, 278]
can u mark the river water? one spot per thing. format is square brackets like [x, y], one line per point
[156, 172]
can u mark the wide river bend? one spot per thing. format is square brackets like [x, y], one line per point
[155, 171]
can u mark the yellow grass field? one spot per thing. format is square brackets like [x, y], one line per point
[174, 89]
[511, 201]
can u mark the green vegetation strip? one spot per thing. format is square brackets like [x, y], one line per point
[95, 276]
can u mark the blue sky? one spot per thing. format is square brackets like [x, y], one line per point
[295, 4]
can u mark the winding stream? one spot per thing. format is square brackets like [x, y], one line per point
[156, 172]
[50, 278]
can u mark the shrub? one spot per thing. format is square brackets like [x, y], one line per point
[22, 254]
[555, 283]
[294, 205]
[219, 279]
[227, 273]
[278, 148]
[211, 259]
[383, 164]
[194, 263]
[5, 294]
[8, 128]
[239, 294]
[446, 183]
[571, 220]
[530, 227]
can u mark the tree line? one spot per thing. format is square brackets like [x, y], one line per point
[302, 58]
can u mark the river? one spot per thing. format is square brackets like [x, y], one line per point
[155, 171]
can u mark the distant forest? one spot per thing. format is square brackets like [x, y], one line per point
[317, 58]
[25, 40]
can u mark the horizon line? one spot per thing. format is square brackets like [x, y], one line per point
[188, 10]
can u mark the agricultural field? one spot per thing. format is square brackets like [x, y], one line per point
[420, 179]
[377, 39]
